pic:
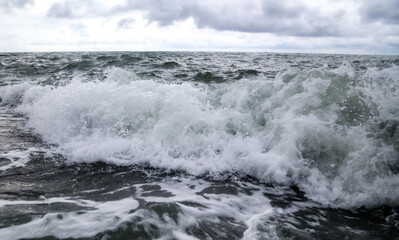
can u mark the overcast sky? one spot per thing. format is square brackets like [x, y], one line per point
[339, 26]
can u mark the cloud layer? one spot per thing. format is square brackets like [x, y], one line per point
[358, 25]
[10, 4]
[384, 11]
[268, 16]
[294, 18]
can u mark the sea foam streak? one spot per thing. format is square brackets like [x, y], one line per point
[327, 131]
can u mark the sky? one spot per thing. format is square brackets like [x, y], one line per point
[312, 26]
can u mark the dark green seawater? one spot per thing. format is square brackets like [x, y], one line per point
[197, 145]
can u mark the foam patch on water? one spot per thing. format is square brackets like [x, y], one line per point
[319, 129]
[209, 208]
[178, 207]
[106, 216]
[174, 215]
[16, 158]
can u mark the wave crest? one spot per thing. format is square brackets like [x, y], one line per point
[317, 129]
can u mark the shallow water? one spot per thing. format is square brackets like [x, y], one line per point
[175, 145]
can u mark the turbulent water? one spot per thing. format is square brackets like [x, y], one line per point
[175, 145]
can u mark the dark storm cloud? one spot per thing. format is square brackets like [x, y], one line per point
[385, 11]
[293, 18]
[10, 4]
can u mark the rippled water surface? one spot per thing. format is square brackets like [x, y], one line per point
[179, 145]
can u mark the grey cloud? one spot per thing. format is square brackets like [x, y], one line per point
[74, 9]
[385, 11]
[290, 17]
[280, 9]
[125, 23]
[163, 12]
[58, 10]
[10, 4]
[279, 17]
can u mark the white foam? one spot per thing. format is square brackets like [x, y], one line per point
[250, 210]
[106, 216]
[17, 158]
[12, 93]
[282, 130]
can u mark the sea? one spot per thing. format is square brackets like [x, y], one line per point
[198, 145]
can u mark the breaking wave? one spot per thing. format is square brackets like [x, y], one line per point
[333, 133]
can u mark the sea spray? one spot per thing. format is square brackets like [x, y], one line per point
[320, 129]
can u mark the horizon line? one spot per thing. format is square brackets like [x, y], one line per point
[209, 51]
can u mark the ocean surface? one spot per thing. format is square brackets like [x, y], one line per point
[198, 145]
